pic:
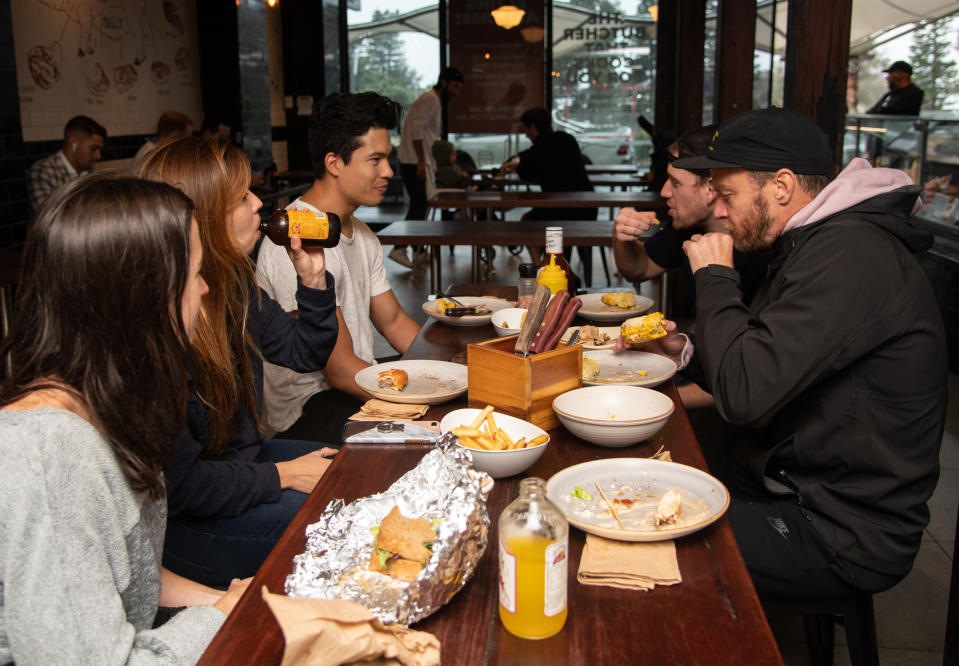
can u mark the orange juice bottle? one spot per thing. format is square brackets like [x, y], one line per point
[533, 553]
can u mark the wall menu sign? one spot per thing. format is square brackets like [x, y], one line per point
[502, 59]
[121, 62]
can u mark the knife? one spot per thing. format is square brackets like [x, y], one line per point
[534, 317]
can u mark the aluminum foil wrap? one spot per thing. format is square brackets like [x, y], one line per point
[444, 486]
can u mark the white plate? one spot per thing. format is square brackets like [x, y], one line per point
[704, 498]
[431, 382]
[595, 310]
[624, 368]
[611, 331]
[494, 304]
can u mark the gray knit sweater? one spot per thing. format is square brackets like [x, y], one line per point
[80, 553]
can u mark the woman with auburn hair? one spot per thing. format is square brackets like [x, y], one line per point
[231, 494]
[108, 299]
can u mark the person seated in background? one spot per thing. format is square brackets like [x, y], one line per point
[447, 173]
[838, 367]
[83, 140]
[904, 97]
[171, 126]
[556, 164]
[231, 494]
[349, 146]
[214, 127]
[108, 301]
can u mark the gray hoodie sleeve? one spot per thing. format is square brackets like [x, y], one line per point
[79, 554]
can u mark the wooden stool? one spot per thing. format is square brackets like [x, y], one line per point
[820, 617]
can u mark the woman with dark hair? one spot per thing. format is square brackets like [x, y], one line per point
[109, 297]
[231, 494]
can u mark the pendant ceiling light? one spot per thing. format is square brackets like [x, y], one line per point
[508, 16]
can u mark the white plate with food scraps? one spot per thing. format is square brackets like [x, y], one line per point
[629, 368]
[594, 308]
[488, 303]
[635, 486]
[430, 382]
[589, 339]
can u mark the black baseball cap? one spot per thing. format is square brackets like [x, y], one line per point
[899, 66]
[765, 140]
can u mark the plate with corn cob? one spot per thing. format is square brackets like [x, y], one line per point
[613, 306]
[630, 368]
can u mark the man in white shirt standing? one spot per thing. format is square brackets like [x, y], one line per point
[83, 140]
[349, 146]
[422, 126]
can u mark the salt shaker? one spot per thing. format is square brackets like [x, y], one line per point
[527, 284]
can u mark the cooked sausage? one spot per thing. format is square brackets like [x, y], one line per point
[569, 314]
[553, 312]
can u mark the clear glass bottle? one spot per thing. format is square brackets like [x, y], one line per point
[527, 285]
[533, 556]
[316, 229]
[554, 250]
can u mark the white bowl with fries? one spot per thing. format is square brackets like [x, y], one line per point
[613, 415]
[490, 452]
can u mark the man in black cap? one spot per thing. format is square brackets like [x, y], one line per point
[903, 98]
[422, 126]
[838, 366]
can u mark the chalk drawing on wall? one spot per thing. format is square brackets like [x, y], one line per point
[123, 62]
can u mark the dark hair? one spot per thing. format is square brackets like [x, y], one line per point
[538, 116]
[340, 119]
[449, 74]
[212, 124]
[215, 174]
[172, 122]
[83, 125]
[98, 310]
[693, 143]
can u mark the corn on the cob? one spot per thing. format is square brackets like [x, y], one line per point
[442, 305]
[642, 329]
[620, 299]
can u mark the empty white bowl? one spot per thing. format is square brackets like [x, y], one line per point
[508, 321]
[613, 416]
[499, 464]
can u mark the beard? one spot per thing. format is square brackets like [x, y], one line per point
[753, 234]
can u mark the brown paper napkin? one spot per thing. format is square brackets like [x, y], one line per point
[631, 566]
[321, 632]
[381, 410]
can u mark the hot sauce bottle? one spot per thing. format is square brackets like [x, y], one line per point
[314, 229]
[533, 556]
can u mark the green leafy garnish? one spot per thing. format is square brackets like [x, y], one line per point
[384, 556]
[581, 494]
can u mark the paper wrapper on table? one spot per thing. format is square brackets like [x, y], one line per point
[381, 410]
[443, 487]
[322, 632]
[628, 565]
[522, 386]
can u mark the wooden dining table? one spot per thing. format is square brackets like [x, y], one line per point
[493, 199]
[438, 233]
[712, 617]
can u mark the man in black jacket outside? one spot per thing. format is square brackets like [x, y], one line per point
[904, 97]
[838, 366]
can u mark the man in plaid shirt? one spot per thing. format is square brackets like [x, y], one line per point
[83, 139]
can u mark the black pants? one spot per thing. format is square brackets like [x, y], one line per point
[782, 547]
[416, 189]
[323, 417]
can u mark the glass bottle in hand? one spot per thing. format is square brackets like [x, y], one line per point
[554, 248]
[533, 556]
[314, 229]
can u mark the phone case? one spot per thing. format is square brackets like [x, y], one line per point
[372, 432]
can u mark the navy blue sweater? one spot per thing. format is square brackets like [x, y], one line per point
[228, 486]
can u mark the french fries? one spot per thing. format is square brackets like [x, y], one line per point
[484, 434]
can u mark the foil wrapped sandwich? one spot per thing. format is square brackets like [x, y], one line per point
[439, 507]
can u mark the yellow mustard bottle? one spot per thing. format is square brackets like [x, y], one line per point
[533, 556]
[553, 276]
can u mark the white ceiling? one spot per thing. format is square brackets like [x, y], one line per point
[873, 21]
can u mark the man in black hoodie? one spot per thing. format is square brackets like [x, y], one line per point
[838, 365]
